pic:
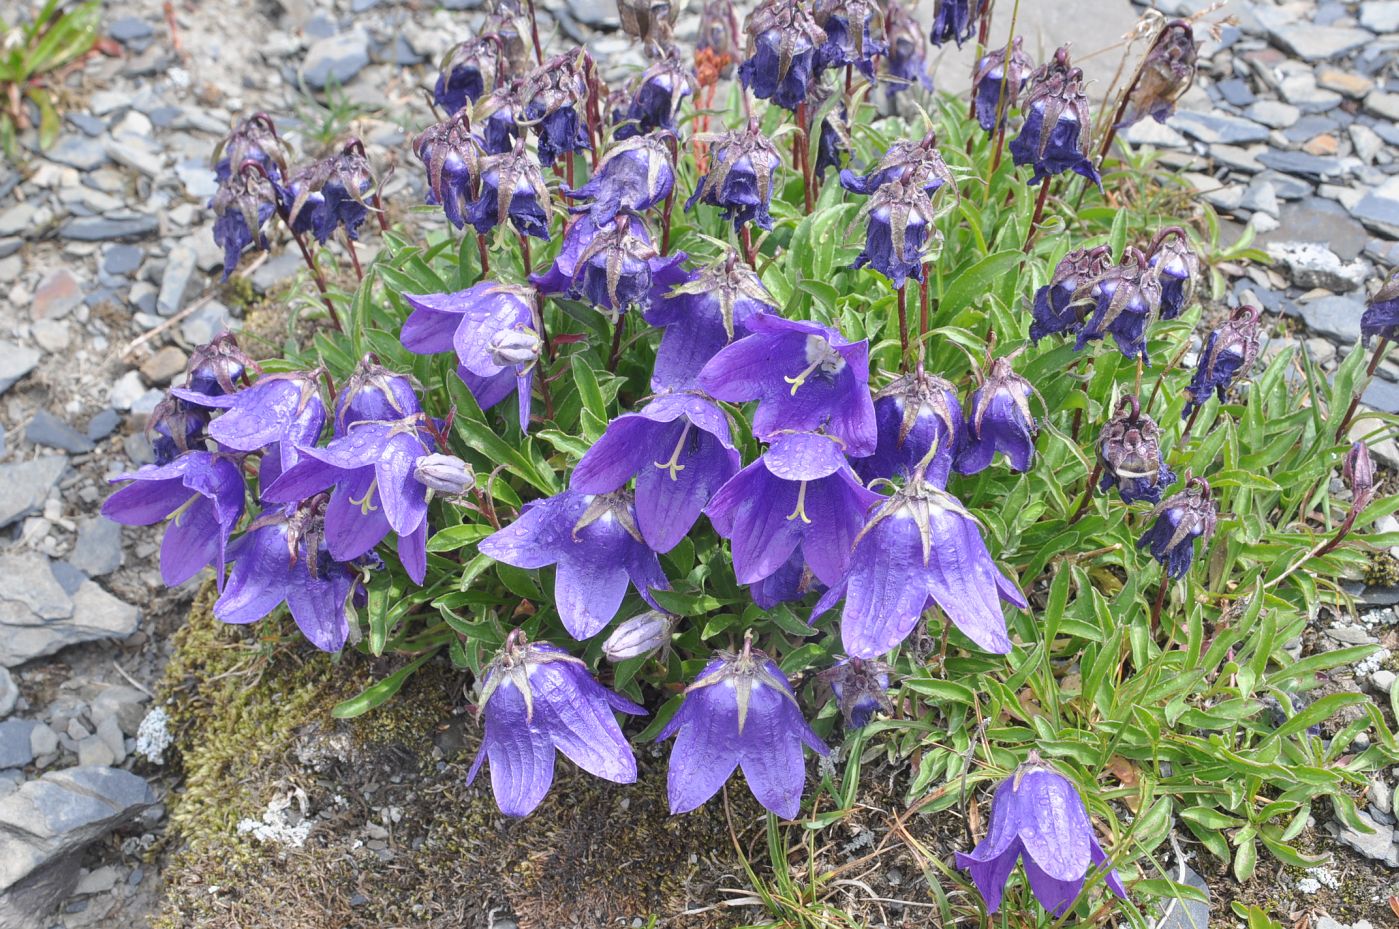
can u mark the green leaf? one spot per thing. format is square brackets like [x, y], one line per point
[964, 289]
[375, 694]
[455, 537]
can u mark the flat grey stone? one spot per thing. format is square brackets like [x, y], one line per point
[15, 362]
[1380, 15]
[1273, 113]
[122, 259]
[1301, 163]
[1337, 317]
[1320, 43]
[1377, 844]
[102, 228]
[1302, 91]
[600, 14]
[1383, 395]
[9, 693]
[1311, 264]
[336, 59]
[58, 294]
[103, 424]
[1379, 209]
[24, 485]
[77, 151]
[179, 271]
[1383, 104]
[1315, 219]
[51, 432]
[43, 740]
[14, 743]
[97, 551]
[92, 615]
[19, 218]
[68, 577]
[126, 705]
[128, 29]
[1218, 127]
[1236, 92]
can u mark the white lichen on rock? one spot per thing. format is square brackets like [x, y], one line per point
[154, 736]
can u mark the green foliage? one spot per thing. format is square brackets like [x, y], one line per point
[31, 53]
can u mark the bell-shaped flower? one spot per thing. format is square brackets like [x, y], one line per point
[1177, 522]
[1358, 473]
[1177, 267]
[739, 712]
[619, 268]
[805, 377]
[800, 495]
[742, 169]
[1229, 353]
[832, 143]
[1165, 75]
[997, 83]
[329, 194]
[999, 420]
[956, 20]
[176, 427]
[597, 546]
[656, 99]
[678, 448]
[783, 44]
[201, 493]
[641, 635]
[906, 63]
[634, 176]
[1131, 456]
[860, 687]
[789, 583]
[552, 95]
[451, 155]
[499, 116]
[1038, 818]
[374, 393]
[848, 40]
[1059, 306]
[216, 366]
[1127, 298]
[900, 234]
[282, 558]
[467, 73]
[512, 188]
[915, 415]
[1381, 316]
[649, 21]
[494, 332]
[920, 548]
[916, 163]
[537, 699]
[371, 468]
[242, 205]
[701, 316]
[253, 139]
[1054, 138]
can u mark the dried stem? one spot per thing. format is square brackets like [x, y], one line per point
[485, 255]
[1160, 602]
[616, 354]
[1087, 493]
[534, 33]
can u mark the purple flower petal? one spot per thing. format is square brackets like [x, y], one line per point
[354, 518]
[521, 754]
[883, 608]
[706, 748]
[317, 605]
[257, 584]
[573, 709]
[1054, 826]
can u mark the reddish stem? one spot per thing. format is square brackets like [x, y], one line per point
[1039, 214]
[485, 255]
[1355, 398]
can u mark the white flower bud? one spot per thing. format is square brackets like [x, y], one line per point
[640, 635]
[446, 474]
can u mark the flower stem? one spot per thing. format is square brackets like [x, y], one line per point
[903, 327]
[1189, 425]
[801, 148]
[616, 354]
[1087, 493]
[745, 235]
[923, 309]
[1355, 398]
[525, 255]
[485, 255]
[319, 278]
[534, 33]
[379, 212]
[1160, 602]
[354, 256]
[1039, 214]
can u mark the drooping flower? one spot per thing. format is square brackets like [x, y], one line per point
[1177, 522]
[916, 163]
[201, 493]
[956, 20]
[906, 62]
[999, 420]
[783, 40]
[791, 582]
[374, 393]
[538, 699]
[512, 188]
[552, 95]
[1177, 267]
[800, 495]
[1229, 353]
[620, 268]
[451, 154]
[282, 558]
[1381, 316]
[1054, 137]
[997, 84]
[900, 233]
[597, 546]
[848, 40]
[175, 427]
[215, 366]
[1038, 818]
[494, 332]
[649, 21]
[701, 316]
[860, 688]
[371, 468]
[499, 117]
[920, 548]
[1166, 74]
[1127, 298]
[742, 169]
[329, 194]
[739, 712]
[1058, 305]
[468, 71]
[1130, 452]
[805, 377]
[253, 139]
[242, 206]
[656, 99]
[641, 635]
[678, 448]
[914, 415]
[634, 176]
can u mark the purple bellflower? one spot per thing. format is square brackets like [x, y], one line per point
[552, 94]
[678, 448]
[373, 393]
[805, 376]
[216, 366]
[999, 420]
[1166, 74]
[493, 330]
[742, 169]
[512, 188]
[656, 100]
[1038, 818]
[620, 268]
[1177, 522]
[329, 194]
[860, 688]
[1060, 305]
[703, 315]
[917, 163]
[956, 20]
[1131, 456]
[900, 233]
[1177, 267]
[468, 71]
[372, 470]
[243, 205]
[906, 62]
[997, 84]
[634, 176]
[282, 558]
[848, 41]
[739, 712]
[1127, 298]
[499, 116]
[451, 155]
[783, 48]
[1054, 137]
[538, 699]
[176, 427]
[253, 139]
[800, 495]
[916, 414]
[597, 546]
[920, 548]
[201, 493]
[1381, 316]
[791, 582]
[1228, 354]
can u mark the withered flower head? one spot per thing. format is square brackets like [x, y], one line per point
[1166, 74]
[648, 20]
[1054, 138]
[716, 47]
[1359, 473]
[860, 687]
[783, 42]
[848, 41]
[330, 194]
[1177, 522]
[498, 117]
[999, 420]
[742, 167]
[997, 84]
[252, 139]
[242, 205]
[1228, 354]
[916, 415]
[656, 99]
[906, 62]
[552, 94]
[1131, 455]
[1126, 298]
[1058, 305]
[469, 71]
[917, 162]
[901, 233]
[451, 154]
[512, 187]
[1177, 266]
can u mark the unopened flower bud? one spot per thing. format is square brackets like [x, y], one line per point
[640, 635]
[445, 474]
[515, 347]
[1359, 473]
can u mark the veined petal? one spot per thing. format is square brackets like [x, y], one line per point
[354, 518]
[428, 330]
[405, 499]
[1054, 826]
[990, 874]
[752, 511]
[591, 579]
[537, 537]
[837, 506]
[520, 752]
[317, 604]
[573, 709]
[412, 553]
[885, 592]
[1054, 895]
[770, 752]
[804, 456]
[628, 447]
[706, 749]
[257, 583]
[192, 541]
[961, 578]
[669, 503]
[145, 502]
